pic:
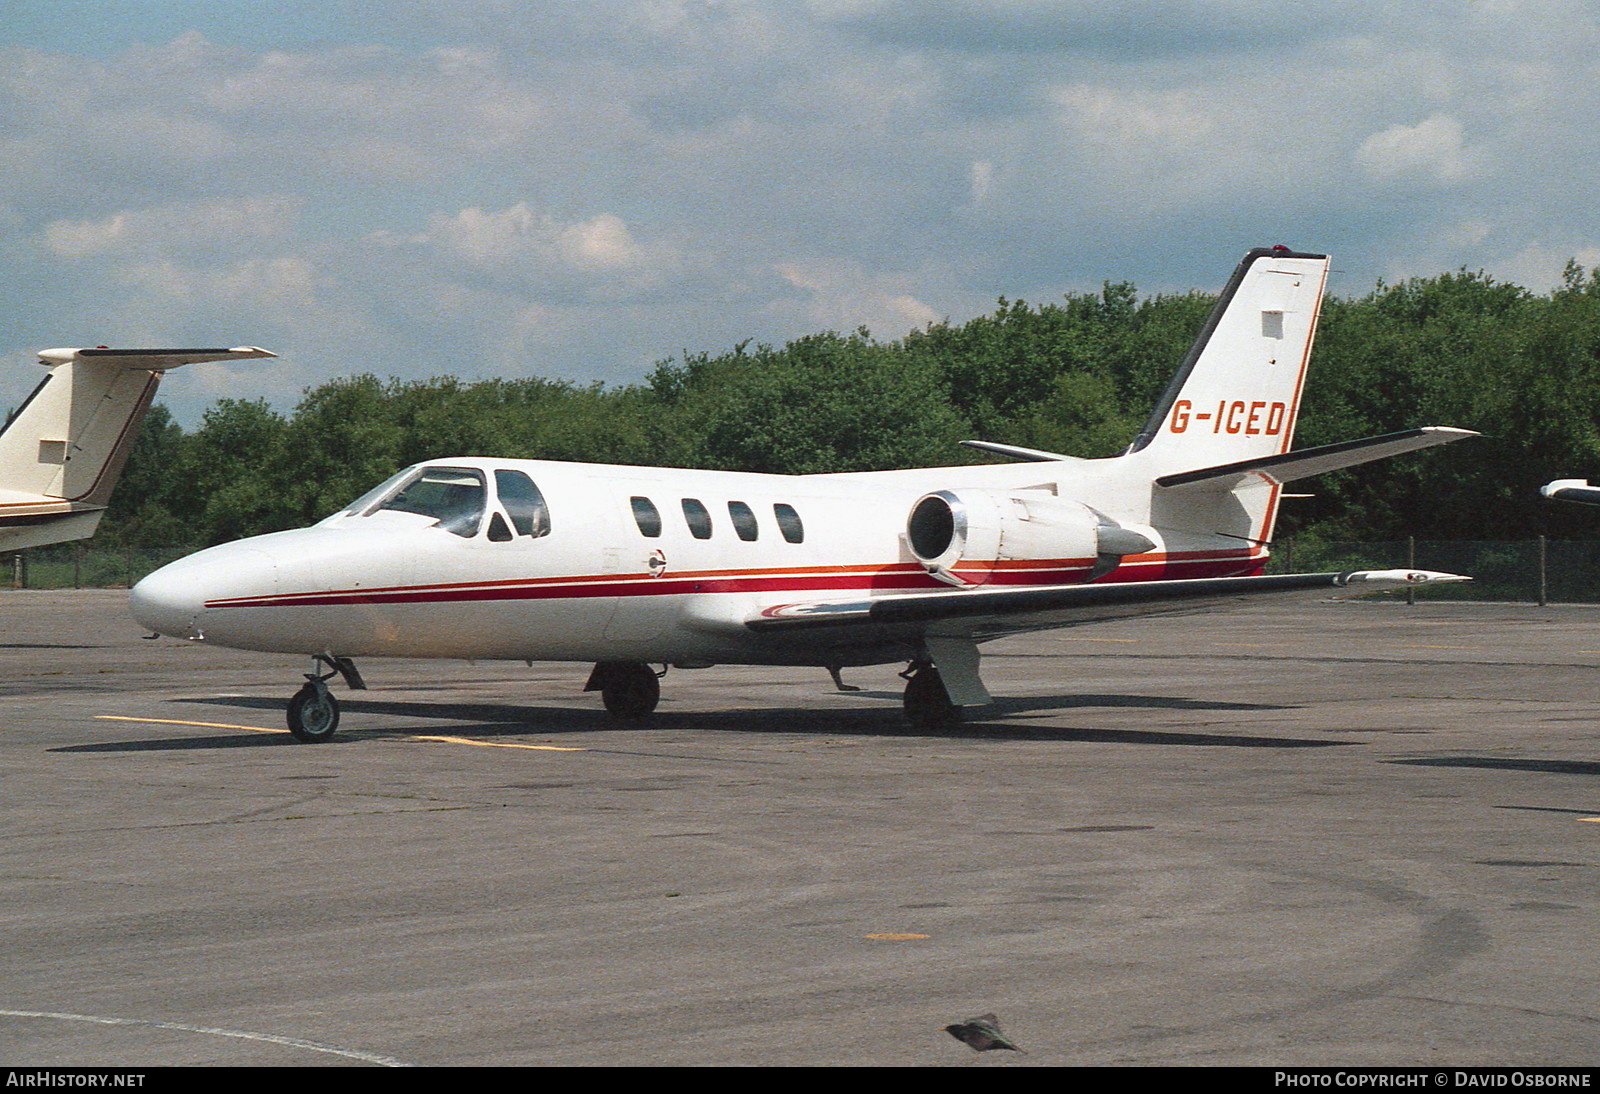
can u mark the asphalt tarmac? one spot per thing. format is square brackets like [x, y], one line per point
[1321, 834]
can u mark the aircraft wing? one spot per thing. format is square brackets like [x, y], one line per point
[1578, 490]
[985, 613]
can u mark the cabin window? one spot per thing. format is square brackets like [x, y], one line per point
[499, 530]
[646, 516]
[523, 503]
[744, 521]
[789, 522]
[453, 496]
[697, 517]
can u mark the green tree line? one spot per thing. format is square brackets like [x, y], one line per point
[1077, 376]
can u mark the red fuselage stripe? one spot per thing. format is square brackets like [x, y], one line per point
[834, 579]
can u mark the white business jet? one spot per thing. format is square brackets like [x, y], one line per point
[1578, 490]
[63, 450]
[631, 567]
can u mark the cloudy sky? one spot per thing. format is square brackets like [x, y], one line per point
[579, 189]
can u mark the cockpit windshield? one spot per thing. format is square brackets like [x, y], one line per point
[360, 506]
[453, 496]
[460, 500]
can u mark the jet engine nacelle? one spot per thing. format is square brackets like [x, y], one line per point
[974, 537]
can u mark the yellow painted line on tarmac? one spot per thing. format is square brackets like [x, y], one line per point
[176, 722]
[501, 744]
[268, 729]
[1591, 820]
[891, 936]
[1267, 645]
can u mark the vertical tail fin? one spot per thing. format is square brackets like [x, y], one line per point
[1237, 392]
[63, 450]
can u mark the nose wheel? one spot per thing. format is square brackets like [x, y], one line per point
[313, 712]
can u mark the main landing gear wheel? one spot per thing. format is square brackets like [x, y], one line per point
[313, 712]
[629, 689]
[927, 704]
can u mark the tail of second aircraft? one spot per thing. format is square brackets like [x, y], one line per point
[64, 448]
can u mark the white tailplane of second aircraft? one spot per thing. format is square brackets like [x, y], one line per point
[1579, 490]
[631, 567]
[63, 450]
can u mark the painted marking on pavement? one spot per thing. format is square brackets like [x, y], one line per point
[271, 1038]
[501, 744]
[176, 722]
[268, 729]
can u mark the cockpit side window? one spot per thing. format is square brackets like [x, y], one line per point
[523, 503]
[453, 496]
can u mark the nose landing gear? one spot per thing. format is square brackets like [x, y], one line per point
[313, 712]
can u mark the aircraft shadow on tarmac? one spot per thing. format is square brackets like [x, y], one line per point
[48, 646]
[1506, 763]
[186, 744]
[487, 720]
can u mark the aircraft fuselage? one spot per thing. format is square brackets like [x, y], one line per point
[605, 581]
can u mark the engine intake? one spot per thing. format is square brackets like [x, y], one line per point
[981, 537]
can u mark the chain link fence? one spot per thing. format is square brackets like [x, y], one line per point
[83, 566]
[1532, 570]
[1540, 571]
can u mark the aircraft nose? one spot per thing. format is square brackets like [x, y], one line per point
[166, 602]
[171, 600]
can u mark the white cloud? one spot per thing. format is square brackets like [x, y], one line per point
[845, 297]
[1115, 118]
[1432, 150]
[601, 242]
[539, 253]
[1539, 266]
[980, 180]
[276, 283]
[174, 229]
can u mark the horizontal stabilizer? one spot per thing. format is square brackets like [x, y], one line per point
[1314, 461]
[1017, 453]
[988, 612]
[19, 532]
[152, 359]
[1577, 490]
